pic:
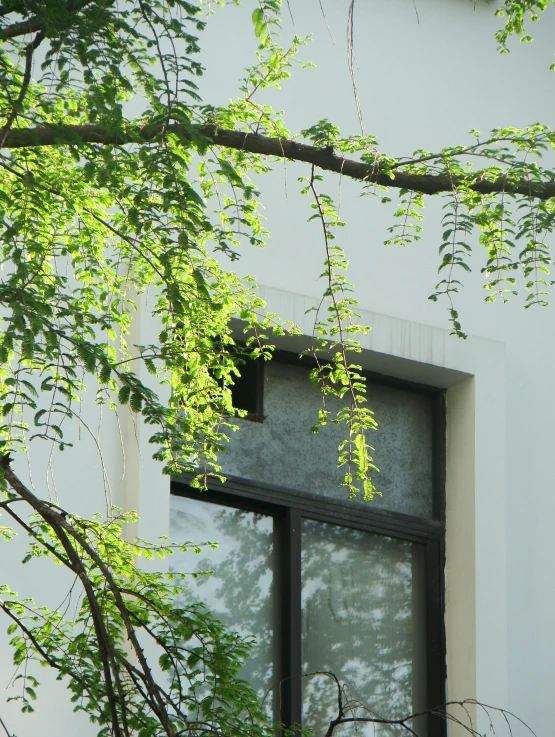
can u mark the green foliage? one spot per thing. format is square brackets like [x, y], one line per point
[89, 229]
[516, 13]
[125, 610]
[407, 230]
[333, 337]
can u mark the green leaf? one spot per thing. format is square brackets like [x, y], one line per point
[123, 394]
[136, 401]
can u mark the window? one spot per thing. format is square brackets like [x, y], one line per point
[322, 582]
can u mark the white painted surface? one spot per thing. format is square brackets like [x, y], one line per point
[422, 84]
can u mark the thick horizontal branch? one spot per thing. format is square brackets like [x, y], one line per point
[323, 158]
[34, 24]
[31, 25]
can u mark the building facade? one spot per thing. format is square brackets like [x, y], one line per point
[460, 545]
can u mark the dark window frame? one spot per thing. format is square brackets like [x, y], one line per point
[288, 508]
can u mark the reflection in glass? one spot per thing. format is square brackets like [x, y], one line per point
[240, 591]
[363, 619]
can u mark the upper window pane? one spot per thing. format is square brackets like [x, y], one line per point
[282, 451]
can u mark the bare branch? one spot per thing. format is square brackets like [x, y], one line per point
[4, 727]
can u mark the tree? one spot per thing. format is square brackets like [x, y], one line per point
[99, 207]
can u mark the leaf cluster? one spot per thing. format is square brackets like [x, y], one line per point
[121, 611]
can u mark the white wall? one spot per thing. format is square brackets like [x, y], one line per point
[424, 85]
[428, 72]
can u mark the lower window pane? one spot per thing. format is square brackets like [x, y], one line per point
[240, 591]
[363, 619]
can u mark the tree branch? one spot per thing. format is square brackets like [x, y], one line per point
[57, 518]
[57, 521]
[323, 158]
[29, 51]
[34, 23]
[2, 723]
[21, 28]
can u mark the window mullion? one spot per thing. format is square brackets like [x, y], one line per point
[435, 635]
[291, 617]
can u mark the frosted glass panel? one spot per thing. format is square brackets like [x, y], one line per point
[282, 451]
[363, 618]
[240, 591]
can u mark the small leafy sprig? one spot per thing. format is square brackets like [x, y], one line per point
[333, 343]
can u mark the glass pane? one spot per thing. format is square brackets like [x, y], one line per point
[363, 619]
[283, 451]
[240, 591]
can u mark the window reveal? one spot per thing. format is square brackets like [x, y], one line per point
[246, 391]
